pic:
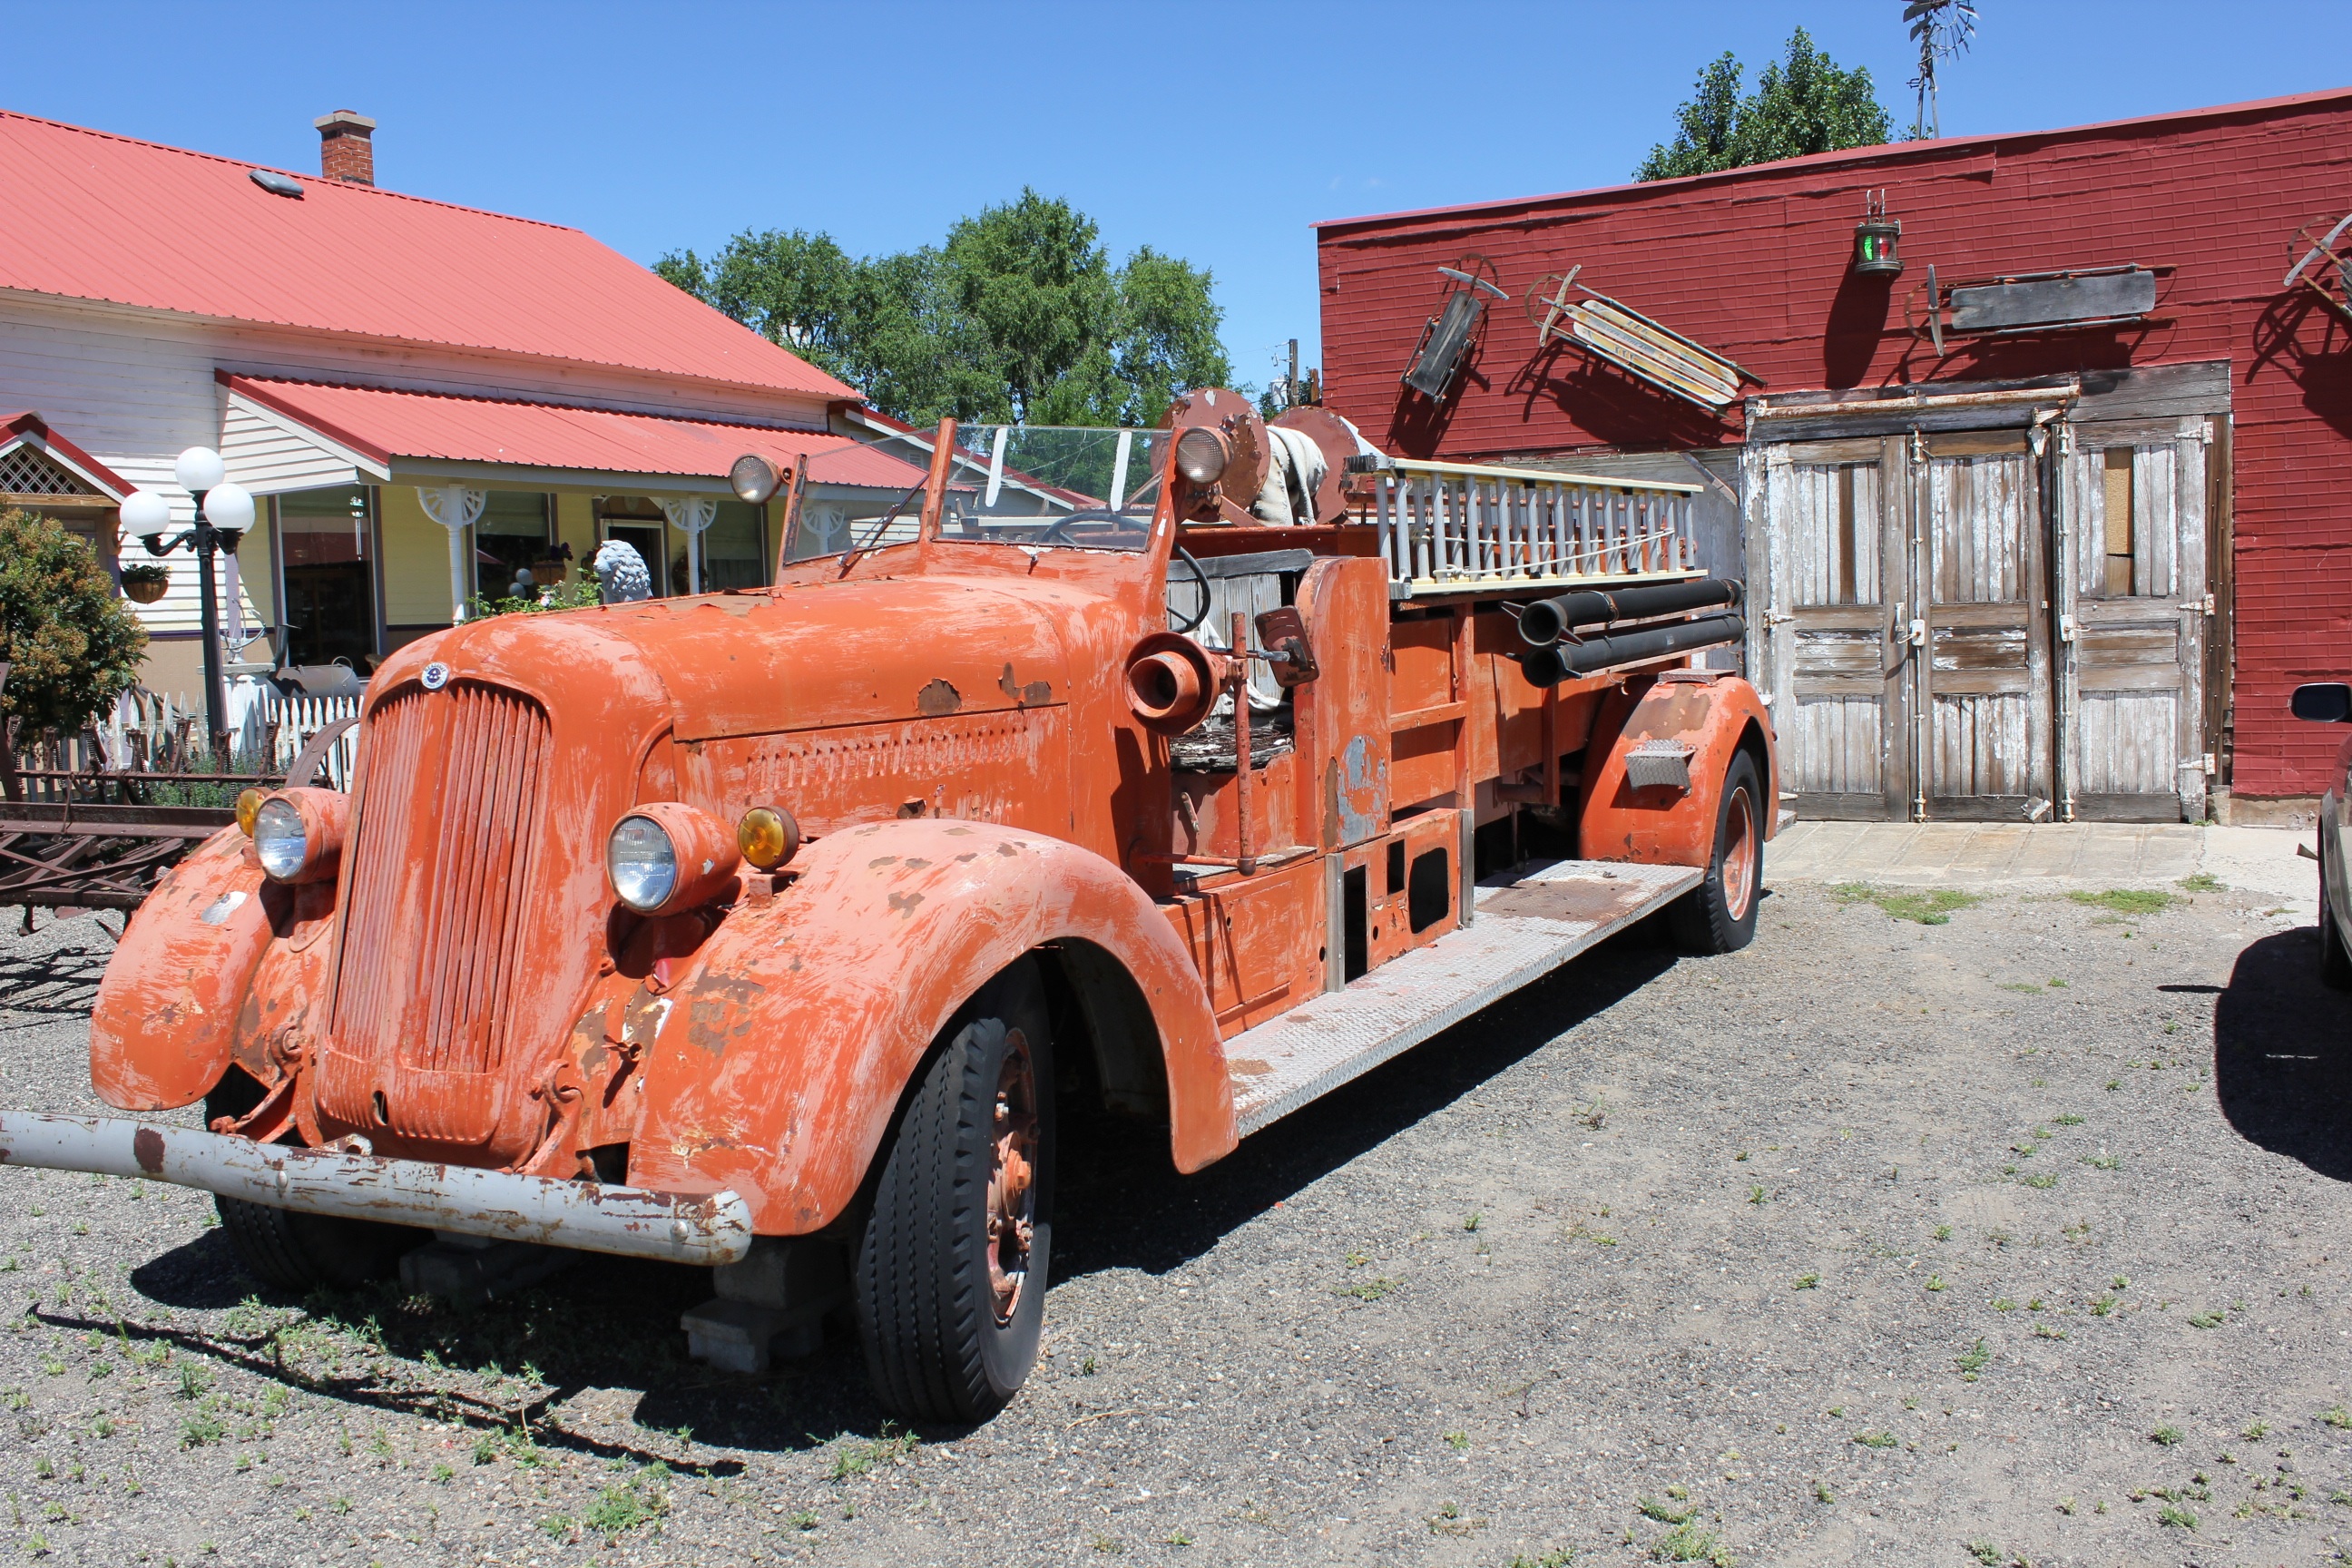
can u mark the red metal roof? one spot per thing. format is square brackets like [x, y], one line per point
[16, 429]
[381, 426]
[138, 224]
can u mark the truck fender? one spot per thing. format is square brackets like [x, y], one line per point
[1661, 825]
[165, 1019]
[797, 1026]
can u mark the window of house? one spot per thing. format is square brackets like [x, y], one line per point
[326, 553]
[735, 547]
[511, 534]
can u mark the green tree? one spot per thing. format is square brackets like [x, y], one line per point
[1804, 103]
[1019, 315]
[71, 645]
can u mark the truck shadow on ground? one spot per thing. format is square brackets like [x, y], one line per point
[613, 1324]
[2283, 1054]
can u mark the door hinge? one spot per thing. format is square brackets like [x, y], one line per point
[2203, 765]
[1778, 617]
[2203, 606]
[2066, 628]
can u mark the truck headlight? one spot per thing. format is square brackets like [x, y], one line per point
[668, 856]
[297, 834]
[642, 863]
[1203, 455]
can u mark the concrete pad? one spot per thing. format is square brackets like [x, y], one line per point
[1986, 855]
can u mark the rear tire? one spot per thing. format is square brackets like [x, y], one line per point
[299, 1253]
[950, 1284]
[2335, 965]
[1719, 914]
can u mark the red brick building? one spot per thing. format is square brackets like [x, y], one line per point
[1977, 577]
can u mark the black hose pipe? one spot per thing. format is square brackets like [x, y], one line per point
[1544, 621]
[1561, 661]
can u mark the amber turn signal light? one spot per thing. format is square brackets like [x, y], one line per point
[768, 836]
[248, 801]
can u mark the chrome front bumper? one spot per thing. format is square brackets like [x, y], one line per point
[628, 1221]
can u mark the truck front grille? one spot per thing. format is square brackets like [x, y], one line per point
[445, 821]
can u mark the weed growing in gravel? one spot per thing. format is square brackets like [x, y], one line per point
[2027, 986]
[2125, 900]
[2102, 1161]
[856, 1458]
[1930, 907]
[1972, 1360]
[2206, 1319]
[1666, 1513]
[2337, 1417]
[1557, 1557]
[2257, 1432]
[1755, 1194]
[1821, 1493]
[1986, 1552]
[1807, 1282]
[1875, 1439]
[2165, 1436]
[1689, 1543]
[198, 1430]
[2070, 1120]
[1471, 1221]
[2202, 882]
[1937, 1282]
[1367, 1289]
[1458, 1441]
[1943, 1233]
[2040, 1183]
[2003, 1304]
[2176, 1516]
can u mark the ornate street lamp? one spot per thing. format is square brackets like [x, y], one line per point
[224, 512]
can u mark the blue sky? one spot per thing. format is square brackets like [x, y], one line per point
[1215, 132]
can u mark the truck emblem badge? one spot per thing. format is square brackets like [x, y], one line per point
[436, 676]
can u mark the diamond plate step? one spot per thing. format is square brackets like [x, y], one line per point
[1526, 926]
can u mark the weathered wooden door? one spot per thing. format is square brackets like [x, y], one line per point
[1837, 517]
[1980, 643]
[2132, 599]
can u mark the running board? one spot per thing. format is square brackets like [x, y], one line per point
[1526, 926]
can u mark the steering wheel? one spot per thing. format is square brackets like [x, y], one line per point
[1202, 579]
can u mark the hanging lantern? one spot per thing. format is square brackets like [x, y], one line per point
[1875, 239]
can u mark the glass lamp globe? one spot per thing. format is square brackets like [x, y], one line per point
[199, 468]
[227, 507]
[145, 513]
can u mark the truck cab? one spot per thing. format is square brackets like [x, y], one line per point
[1179, 775]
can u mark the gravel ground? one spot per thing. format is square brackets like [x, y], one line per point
[2018, 1237]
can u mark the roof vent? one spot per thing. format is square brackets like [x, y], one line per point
[276, 183]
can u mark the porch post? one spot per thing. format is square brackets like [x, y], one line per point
[455, 508]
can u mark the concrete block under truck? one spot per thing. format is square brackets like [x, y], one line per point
[771, 930]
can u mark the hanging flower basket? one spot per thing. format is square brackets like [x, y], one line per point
[146, 583]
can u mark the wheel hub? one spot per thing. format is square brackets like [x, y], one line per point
[1012, 1178]
[1739, 855]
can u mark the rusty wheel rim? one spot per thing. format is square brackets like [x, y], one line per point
[1739, 856]
[1012, 1179]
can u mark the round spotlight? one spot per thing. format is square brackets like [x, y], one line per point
[768, 836]
[1202, 455]
[754, 478]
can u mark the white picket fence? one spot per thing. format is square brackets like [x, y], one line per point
[154, 733]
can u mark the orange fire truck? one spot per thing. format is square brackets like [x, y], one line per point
[1179, 775]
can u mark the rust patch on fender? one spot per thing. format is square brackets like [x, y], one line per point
[147, 1148]
[1684, 708]
[938, 699]
[1036, 694]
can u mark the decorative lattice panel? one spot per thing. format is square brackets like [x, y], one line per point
[29, 471]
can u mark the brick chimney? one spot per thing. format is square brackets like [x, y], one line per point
[347, 146]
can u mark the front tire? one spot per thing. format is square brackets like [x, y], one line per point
[2335, 965]
[950, 1285]
[1719, 914]
[299, 1253]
